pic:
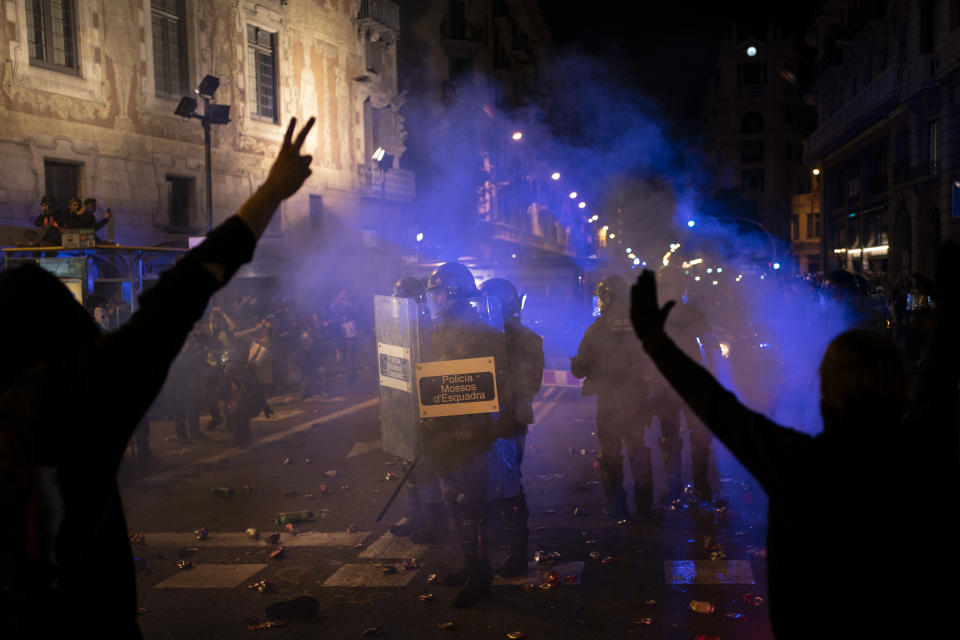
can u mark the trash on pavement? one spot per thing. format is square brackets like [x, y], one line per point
[277, 553]
[353, 528]
[410, 564]
[426, 597]
[444, 625]
[201, 534]
[376, 630]
[753, 598]
[184, 564]
[223, 492]
[273, 538]
[643, 621]
[294, 517]
[262, 586]
[701, 606]
[330, 473]
[137, 538]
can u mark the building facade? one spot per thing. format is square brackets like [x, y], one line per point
[475, 72]
[757, 121]
[90, 89]
[888, 141]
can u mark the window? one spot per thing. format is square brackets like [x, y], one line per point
[752, 73]
[61, 180]
[927, 26]
[794, 228]
[169, 47]
[51, 34]
[813, 226]
[262, 73]
[316, 212]
[751, 180]
[752, 122]
[954, 14]
[934, 142]
[181, 196]
[751, 151]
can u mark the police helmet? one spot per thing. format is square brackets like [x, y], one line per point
[455, 280]
[840, 284]
[613, 292]
[411, 288]
[506, 292]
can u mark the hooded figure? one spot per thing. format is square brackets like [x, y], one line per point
[69, 401]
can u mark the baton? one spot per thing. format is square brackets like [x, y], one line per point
[403, 481]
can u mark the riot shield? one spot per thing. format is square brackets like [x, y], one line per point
[398, 351]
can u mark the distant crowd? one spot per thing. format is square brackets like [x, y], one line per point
[253, 348]
[53, 219]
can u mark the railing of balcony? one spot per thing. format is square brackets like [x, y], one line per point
[392, 184]
[883, 90]
[386, 12]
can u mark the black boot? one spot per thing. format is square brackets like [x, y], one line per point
[515, 514]
[473, 539]
[617, 506]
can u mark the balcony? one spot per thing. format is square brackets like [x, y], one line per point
[861, 111]
[382, 14]
[399, 185]
[509, 233]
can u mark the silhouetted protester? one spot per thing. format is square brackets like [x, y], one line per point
[86, 218]
[183, 393]
[616, 370]
[525, 360]
[459, 444]
[50, 221]
[68, 405]
[854, 511]
[695, 336]
[244, 397]
[426, 517]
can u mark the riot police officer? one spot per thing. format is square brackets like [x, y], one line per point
[459, 445]
[613, 365]
[525, 360]
[426, 519]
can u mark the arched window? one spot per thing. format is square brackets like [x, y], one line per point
[752, 122]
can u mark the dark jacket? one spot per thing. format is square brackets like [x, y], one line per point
[525, 356]
[845, 507]
[617, 371]
[85, 220]
[452, 439]
[71, 411]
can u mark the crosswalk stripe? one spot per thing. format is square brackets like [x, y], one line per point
[241, 539]
[370, 575]
[211, 576]
[391, 546]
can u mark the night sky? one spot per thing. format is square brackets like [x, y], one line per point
[666, 51]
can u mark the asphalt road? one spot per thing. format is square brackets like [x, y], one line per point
[614, 580]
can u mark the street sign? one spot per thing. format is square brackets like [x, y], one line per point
[457, 387]
[394, 366]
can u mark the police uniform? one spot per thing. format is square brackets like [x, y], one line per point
[693, 334]
[458, 446]
[525, 363]
[613, 363]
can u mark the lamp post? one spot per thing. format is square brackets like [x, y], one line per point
[212, 114]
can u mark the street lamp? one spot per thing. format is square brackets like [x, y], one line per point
[212, 114]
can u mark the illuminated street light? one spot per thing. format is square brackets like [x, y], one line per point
[613, 235]
[629, 250]
[636, 261]
[555, 175]
[815, 171]
[517, 135]
[582, 205]
[691, 223]
[632, 256]
[419, 237]
[378, 154]
[573, 195]
[751, 51]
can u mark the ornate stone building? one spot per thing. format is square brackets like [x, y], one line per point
[757, 121]
[89, 89]
[887, 144]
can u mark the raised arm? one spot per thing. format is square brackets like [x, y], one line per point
[761, 445]
[133, 362]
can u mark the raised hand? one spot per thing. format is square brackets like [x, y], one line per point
[645, 313]
[290, 169]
